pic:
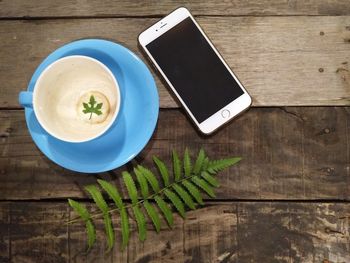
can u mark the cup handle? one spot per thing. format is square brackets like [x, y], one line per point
[25, 98]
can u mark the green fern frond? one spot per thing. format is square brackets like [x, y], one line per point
[81, 210]
[199, 162]
[187, 163]
[142, 182]
[163, 206]
[130, 186]
[102, 205]
[97, 197]
[109, 230]
[176, 201]
[176, 166]
[218, 165]
[205, 164]
[91, 233]
[194, 191]
[152, 180]
[141, 222]
[113, 193]
[184, 188]
[184, 196]
[152, 213]
[204, 186]
[124, 221]
[210, 179]
[132, 191]
[162, 169]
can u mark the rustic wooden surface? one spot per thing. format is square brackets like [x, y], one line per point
[277, 69]
[287, 201]
[220, 232]
[115, 8]
[278, 146]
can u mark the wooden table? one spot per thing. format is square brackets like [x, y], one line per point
[287, 201]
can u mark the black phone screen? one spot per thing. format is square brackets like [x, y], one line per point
[194, 69]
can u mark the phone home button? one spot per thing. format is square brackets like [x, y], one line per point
[225, 113]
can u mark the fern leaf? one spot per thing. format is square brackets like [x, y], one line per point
[199, 162]
[218, 165]
[187, 163]
[176, 202]
[91, 233]
[184, 196]
[124, 221]
[153, 215]
[114, 194]
[194, 191]
[168, 215]
[141, 222]
[130, 186]
[81, 210]
[190, 179]
[205, 164]
[152, 180]
[203, 184]
[142, 182]
[176, 166]
[109, 230]
[162, 169]
[102, 205]
[97, 197]
[210, 179]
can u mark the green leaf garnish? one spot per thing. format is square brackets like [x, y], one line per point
[92, 108]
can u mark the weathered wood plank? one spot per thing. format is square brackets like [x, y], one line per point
[288, 153]
[37, 232]
[219, 232]
[293, 232]
[282, 61]
[69, 8]
[5, 232]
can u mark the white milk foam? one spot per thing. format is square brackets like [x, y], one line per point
[66, 87]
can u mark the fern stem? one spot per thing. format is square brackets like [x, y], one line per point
[151, 197]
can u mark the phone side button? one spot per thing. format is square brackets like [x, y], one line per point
[225, 113]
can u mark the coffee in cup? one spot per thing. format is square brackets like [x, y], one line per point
[75, 99]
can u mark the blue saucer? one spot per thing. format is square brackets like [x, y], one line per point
[134, 125]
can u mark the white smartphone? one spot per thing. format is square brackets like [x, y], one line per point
[195, 71]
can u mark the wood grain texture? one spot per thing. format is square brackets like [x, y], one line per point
[103, 8]
[286, 53]
[288, 153]
[219, 232]
[309, 232]
[282, 61]
[5, 232]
